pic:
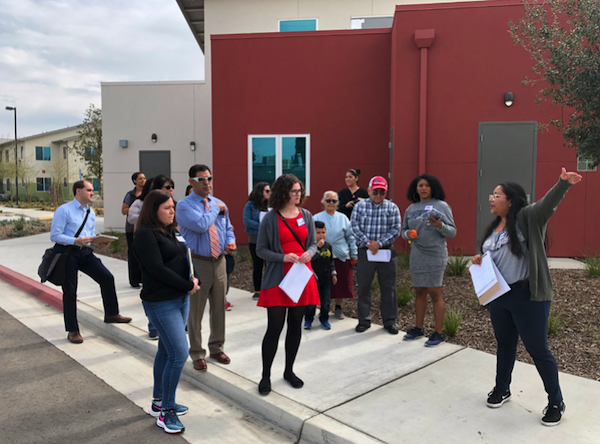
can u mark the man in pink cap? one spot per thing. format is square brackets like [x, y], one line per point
[376, 225]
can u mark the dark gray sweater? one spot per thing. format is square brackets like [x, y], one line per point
[268, 246]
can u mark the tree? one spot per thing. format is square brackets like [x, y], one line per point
[563, 38]
[89, 144]
[26, 171]
[58, 171]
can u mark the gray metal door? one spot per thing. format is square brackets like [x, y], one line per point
[507, 153]
[153, 163]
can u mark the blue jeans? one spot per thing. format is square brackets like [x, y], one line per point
[514, 315]
[169, 319]
[324, 286]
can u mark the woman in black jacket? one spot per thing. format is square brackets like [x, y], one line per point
[166, 279]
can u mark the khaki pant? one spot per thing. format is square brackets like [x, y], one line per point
[213, 285]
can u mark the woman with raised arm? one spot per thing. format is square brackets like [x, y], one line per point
[286, 236]
[515, 241]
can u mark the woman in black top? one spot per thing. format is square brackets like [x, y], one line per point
[166, 280]
[352, 194]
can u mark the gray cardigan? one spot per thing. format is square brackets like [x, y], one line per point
[268, 246]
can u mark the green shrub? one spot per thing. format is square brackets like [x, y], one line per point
[19, 224]
[457, 264]
[555, 323]
[404, 295]
[452, 320]
[592, 266]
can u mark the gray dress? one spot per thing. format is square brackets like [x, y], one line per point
[428, 253]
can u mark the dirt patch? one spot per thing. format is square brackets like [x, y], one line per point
[19, 228]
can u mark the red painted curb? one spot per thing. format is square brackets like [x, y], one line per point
[31, 287]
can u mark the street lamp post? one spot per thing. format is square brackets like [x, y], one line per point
[14, 108]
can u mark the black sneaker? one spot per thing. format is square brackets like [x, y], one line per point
[497, 397]
[553, 414]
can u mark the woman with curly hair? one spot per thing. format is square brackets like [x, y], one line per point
[515, 241]
[286, 236]
[257, 202]
[427, 223]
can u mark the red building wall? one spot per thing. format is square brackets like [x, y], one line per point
[473, 61]
[334, 86]
[348, 88]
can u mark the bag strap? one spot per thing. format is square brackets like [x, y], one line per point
[83, 224]
[293, 232]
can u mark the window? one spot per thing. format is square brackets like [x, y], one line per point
[89, 154]
[584, 164]
[297, 25]
[270, 156]
[22, 183]
[42, 153]
[43, 183]
[65, 183]
[371, 22]
[22, 152]
[8, 185]
[95, 184]
[6, 155]
[65, 149]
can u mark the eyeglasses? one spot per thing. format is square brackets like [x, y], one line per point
[296, 191]
[202, 179]
[267, 191]
[331, 200]
[169, 187]
[379, 192]
[495, 196]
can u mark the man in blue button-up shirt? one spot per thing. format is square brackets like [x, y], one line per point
[65, 224]
[204, 223]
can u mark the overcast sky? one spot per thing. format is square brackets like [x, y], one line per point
[55, 53]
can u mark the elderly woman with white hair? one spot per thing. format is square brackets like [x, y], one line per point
[339, 235]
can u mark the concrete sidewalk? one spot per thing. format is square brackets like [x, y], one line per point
[10, 213]
[359, 388]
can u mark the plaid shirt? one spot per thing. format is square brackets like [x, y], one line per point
[379, 223]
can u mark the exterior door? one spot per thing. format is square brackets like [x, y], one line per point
[153, 163]
[507, 153]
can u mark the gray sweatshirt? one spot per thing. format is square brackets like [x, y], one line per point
[430, 240]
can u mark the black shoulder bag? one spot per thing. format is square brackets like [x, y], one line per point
[54, 265]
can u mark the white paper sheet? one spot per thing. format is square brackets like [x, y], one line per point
[488, 282]
[380, 256]
[295, 281]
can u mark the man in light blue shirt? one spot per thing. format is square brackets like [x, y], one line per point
[65, 224]
[204, 223]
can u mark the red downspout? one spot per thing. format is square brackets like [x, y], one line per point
[423, 40]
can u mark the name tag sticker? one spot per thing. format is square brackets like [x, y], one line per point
[428, 207]
[180, 238]
[300, 222]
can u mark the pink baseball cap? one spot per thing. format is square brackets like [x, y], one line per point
[378, 182]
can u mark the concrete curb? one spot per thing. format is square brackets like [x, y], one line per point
[305, 424]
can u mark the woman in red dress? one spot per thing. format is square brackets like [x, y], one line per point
[286, 236]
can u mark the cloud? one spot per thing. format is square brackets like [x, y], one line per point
[54, 54]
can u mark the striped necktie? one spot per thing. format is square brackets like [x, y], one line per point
[214, 237]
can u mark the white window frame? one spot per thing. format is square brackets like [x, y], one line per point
[297, 20]
[278, 157]
[586, 163]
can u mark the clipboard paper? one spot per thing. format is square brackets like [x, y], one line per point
[488, 282]
[294, 282]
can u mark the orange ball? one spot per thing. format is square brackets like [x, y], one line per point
[413, 233]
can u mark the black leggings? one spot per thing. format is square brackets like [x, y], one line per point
[258, 265]
[276, 319]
